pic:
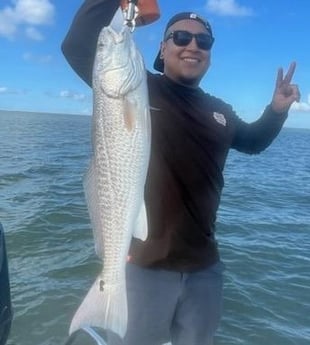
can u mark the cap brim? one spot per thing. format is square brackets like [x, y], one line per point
[159, 63]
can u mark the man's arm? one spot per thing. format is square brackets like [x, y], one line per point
[79, 45]
[255, 137]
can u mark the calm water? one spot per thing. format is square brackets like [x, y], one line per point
[263, 230]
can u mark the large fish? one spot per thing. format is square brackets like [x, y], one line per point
[114, 182]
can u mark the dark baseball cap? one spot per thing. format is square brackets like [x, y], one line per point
[159, 63]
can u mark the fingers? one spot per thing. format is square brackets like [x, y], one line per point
[279, 77]
[289, 75]
[295, 92]
[292, 93]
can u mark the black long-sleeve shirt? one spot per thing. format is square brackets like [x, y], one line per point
[192, 133]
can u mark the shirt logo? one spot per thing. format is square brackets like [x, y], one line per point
[220, 118]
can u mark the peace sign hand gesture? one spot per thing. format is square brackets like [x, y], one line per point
[285, 93]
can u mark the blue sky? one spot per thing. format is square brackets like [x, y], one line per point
[252, 39]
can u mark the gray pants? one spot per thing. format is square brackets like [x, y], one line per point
[163, 306]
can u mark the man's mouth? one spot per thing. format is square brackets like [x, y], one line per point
[190, 60]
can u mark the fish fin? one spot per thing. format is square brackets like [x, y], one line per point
[104, 306]
[130, 113]
[141, 224]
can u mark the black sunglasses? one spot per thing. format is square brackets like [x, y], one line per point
[183, 38]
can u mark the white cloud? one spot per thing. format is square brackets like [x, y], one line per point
[228, 8]
[301, 107]
[7, 22]
[34, 34]
[34, 12]
[8, 91]
[3, 89]
[37, 58]
[26, 14]
[73, 95]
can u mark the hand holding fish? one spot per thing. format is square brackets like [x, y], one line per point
[285, 93]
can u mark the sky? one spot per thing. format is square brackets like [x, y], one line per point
[253, 38]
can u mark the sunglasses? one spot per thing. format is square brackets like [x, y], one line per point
[183, 38]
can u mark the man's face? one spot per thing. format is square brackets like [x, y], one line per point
[185, 64]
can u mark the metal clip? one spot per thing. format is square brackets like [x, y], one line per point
[130, 14]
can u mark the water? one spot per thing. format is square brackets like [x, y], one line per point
[263, 231]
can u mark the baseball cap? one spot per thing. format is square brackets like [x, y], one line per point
[159, 63]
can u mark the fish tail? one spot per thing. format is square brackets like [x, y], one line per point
[104, 306]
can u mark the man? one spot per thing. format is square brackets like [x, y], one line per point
[174, 278]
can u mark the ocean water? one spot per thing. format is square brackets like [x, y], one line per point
[263, 232]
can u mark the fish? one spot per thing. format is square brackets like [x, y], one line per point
[115, 179]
